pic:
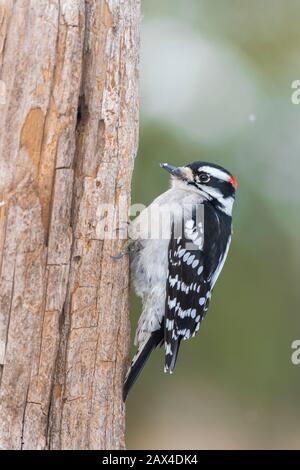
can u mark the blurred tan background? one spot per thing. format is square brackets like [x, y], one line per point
[216, 85]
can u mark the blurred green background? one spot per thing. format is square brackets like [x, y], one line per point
[216, 85]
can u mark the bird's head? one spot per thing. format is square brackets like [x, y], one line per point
[213, 182]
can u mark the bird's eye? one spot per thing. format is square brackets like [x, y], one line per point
[204, 177]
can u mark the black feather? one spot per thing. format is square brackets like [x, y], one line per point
[170, 361]
[140, 360]
[190, 272]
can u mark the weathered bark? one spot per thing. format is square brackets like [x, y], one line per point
[69, 131]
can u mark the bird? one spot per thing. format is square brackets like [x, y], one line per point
[177, 248]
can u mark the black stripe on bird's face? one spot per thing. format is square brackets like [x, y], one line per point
[215, 187]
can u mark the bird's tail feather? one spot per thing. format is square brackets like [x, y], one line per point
[155, 339]
[170, 359]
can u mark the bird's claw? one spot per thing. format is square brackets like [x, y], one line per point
[123, 252]
[118, 256]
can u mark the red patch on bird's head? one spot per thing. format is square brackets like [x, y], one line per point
[233, 181]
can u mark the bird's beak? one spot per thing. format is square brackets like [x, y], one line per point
[183, 173]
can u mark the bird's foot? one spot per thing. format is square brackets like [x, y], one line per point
[124, 251]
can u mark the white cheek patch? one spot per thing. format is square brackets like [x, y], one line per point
[215, 172]
[226, 203]
[213, 192]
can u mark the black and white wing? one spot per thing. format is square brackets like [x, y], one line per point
[195, 259]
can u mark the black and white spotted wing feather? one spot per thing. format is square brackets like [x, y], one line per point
[195, 260]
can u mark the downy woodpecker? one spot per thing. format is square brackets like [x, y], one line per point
[178, 246]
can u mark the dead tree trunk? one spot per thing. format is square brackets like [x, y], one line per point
[68, 138]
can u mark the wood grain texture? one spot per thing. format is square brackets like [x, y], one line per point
[68, 139]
